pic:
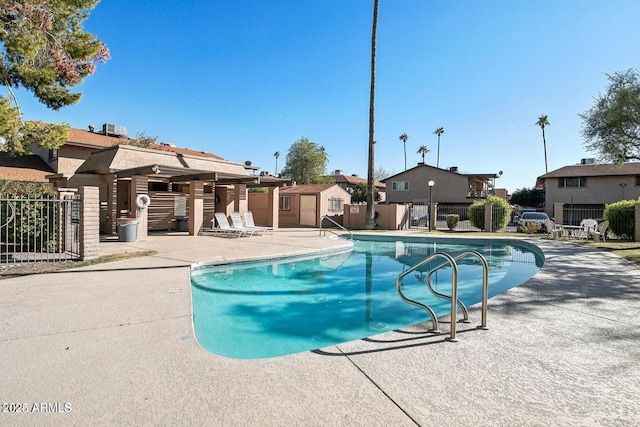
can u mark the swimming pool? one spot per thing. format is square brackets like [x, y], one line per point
[271, 308]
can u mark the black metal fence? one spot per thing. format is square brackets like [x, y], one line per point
[572, 217]
[36, 230]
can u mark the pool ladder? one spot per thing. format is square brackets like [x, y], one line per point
[331, 231]
[449, 261]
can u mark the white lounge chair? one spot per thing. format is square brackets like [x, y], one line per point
[223, 225]
[236, 224]
[249, 223]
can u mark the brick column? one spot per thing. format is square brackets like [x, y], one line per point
[196, 206]
[488, 216]
[140, 185]
[433, 216]
[89, 222]
[273, 207]
[558, 213]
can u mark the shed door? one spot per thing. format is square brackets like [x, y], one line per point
[308, 210]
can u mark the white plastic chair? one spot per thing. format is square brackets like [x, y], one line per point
[223, 224]
[587, 227]
[601, 232]
[249, 223]
[236, 224]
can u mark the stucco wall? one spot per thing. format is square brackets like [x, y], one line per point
[599, 190]
[449, 187]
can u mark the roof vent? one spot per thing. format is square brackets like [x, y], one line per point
[114, 130]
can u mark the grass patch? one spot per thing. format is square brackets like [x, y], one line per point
[110, 258]
[52, 267]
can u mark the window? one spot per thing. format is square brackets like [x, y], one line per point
[284, 203]
[53, 154]
[400, 185]
[336, 204]
[158, 186]
[637, 180]
[572, 182]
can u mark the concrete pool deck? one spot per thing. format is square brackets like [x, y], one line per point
[113, 344]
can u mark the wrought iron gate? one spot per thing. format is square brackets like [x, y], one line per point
[39, 230]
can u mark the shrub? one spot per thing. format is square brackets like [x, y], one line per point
[452, 221]
[621, 217]
[530, 227]
[33, 220]
[501, 213]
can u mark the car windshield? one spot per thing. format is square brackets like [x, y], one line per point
[534, 215]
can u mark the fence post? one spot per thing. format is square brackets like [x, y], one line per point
[488, 216]
[558, 213]
[89, 222]
[636, 229]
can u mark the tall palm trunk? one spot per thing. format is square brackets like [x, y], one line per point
[544, 145]
[370, 221]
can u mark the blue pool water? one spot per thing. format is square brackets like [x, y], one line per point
[283, 306]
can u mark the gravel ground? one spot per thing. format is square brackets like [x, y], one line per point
[33, 268]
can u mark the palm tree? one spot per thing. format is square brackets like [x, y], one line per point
[423, 150]
[370, 222]
[438, 132]
[276, 155]
[542, 122]
[404, 138]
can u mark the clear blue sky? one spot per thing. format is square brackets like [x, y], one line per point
[246, 78]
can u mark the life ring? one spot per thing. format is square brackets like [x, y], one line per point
[143, 201]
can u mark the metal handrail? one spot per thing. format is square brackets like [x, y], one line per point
[454, 291]
[335, 223]
[485, 286]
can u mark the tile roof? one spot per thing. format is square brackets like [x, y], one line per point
[306, 188]
[24, 168]
[94, 139]
[350, 179]
[595, 170]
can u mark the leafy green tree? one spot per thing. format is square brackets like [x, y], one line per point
[529, 197]
[438, 132]
[543, 121]
[359, 194]
[370, 222]
[404, 138]
[306, 162]
[44, 50]
[612, 126]
[423, 150]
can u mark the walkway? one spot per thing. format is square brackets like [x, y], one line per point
[114, 342]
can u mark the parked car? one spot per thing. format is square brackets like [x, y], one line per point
[515, 214]
[532, 217]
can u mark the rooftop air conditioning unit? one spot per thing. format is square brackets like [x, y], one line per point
[264, 173]
[589, 161]
[114, 130]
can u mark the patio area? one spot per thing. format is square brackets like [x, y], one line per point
[113, 344]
